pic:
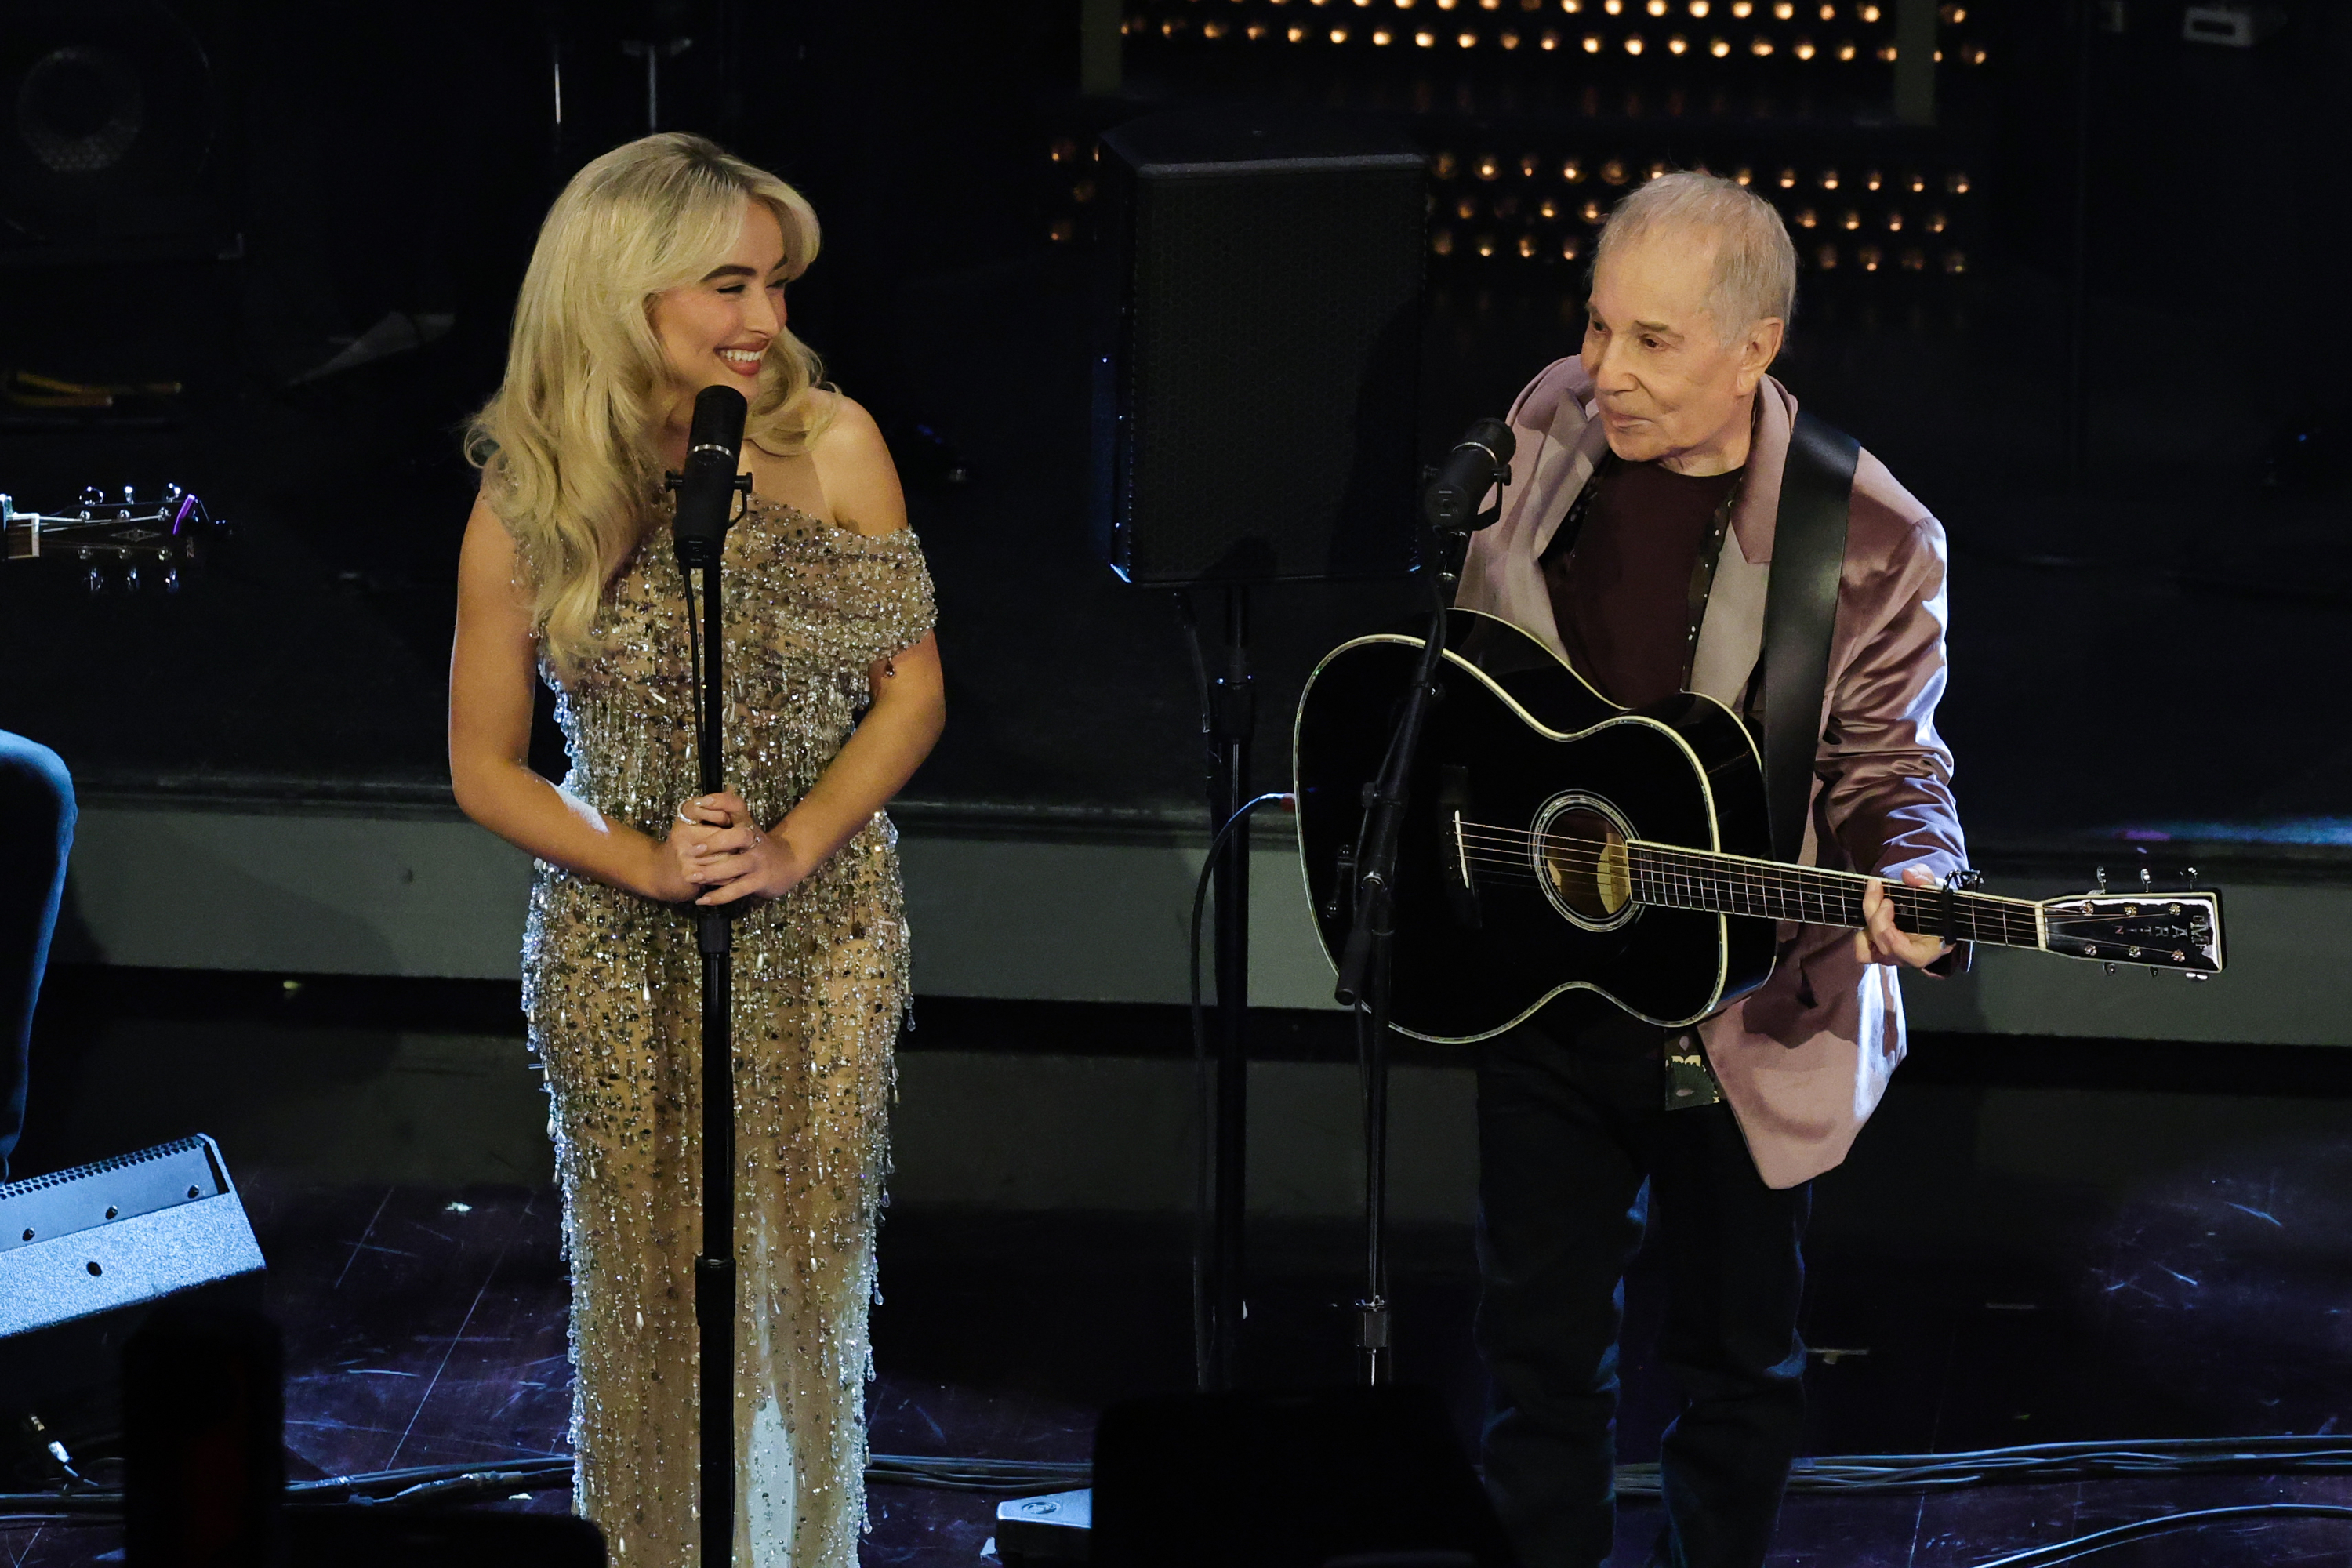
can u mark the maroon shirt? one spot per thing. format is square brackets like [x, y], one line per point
[1621, 593]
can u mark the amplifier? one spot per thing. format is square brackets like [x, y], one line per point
[85, 1254]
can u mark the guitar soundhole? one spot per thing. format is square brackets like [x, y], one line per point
[1580, 853]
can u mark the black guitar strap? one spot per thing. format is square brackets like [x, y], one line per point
[1799, 617]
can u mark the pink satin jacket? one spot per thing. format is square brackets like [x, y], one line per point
[1804, 1059]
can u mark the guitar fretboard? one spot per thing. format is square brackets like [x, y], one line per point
[1729, 884]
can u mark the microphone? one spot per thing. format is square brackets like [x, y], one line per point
[1481, 460]
[706, 491]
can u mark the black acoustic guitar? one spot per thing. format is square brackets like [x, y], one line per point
[1557, 841]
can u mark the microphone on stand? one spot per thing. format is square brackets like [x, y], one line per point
[706, 489]
[1479, 461]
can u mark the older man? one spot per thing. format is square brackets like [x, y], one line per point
[1640, 520]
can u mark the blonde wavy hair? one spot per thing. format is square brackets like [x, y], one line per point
[567, 446]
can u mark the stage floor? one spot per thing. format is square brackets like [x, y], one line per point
[426, 1325]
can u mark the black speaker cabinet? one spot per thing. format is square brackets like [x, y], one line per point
[1258, 322]
[116, 139]
[1308, 1479]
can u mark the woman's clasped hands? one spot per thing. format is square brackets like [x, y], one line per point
[720, 853]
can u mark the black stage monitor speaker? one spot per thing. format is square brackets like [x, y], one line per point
[85, 1254]
[112, 140]
[1259, 336]
[1367, 1477]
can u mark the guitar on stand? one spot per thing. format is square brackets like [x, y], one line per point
[1552, 841]
[119, 540]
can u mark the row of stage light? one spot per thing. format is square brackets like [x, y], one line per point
[1286, 21]
[1869, 13]
[1761, 45]
[1536, 226]
[1866, 256]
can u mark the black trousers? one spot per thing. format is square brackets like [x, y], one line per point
[36, 824]
[1577, 1161]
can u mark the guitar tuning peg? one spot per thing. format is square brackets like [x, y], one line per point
[95, 581]
[2188, 876]
[2108, 966]
[2147, 882]
[131, 578]
[170, 580]
[2103, 879]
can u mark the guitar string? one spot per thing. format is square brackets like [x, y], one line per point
[1775, 879]
[1807, 894]
[1807, 887]
[1761, 901]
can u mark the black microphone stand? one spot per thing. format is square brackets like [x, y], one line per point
[1367, 959]
[714, 1269]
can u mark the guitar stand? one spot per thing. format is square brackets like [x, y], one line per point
[1367, 959]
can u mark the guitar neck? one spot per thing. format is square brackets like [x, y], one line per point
[1734, 885]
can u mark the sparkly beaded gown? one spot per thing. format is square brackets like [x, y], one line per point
[613, 983]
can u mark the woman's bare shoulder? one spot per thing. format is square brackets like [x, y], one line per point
[852, 464]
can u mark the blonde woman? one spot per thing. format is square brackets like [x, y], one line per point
[661, 270]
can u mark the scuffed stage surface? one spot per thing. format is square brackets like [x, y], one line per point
[426, 1325]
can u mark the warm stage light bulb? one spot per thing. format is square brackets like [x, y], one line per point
[1591, 43]
[1869, 14]
[1572, 171]
[1382, 36]
[1551, 40]
[1804, 49]
[1783, 10]
[1845, 51]
[1468, 40]
[1717, 47]
[1829, 179]
[1508, 39]
[1442, 242]
[1297, 35]
[1957, 184]
[1591, 212]
[1528, 245]
[1743, 9]
[1677, 45]
[1886, 53]
[1633, 43]
[1853, 221]
[1759, 46]
[1870, 258]
[1936, 223]
[1826, 259]
[1426, 41]
[1806, 219]
[1788, 179]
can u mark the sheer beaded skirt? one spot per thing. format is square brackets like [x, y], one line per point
[612, 989]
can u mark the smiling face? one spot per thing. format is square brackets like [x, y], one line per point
[1670, 389]
[717, 331]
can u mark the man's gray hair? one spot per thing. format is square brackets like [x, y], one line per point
[1755, 263]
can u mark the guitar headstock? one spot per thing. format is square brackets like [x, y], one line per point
[2164, 930]
[124, 540]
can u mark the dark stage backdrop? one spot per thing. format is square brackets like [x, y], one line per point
[375, 177]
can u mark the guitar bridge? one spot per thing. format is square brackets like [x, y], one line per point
[1454, 850]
